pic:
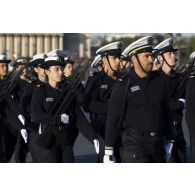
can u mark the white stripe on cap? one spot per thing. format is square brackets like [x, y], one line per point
[144, 41]
[115, 45]
[38, 56]
[96, 61]
[3, 57]
[56, 52]
[192, 56]
[164, 43]
[21, 61]
[55, 58]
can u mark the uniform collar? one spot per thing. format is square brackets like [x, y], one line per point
[135, 76]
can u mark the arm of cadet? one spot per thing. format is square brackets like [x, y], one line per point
[190, 105]
[39, 115]
[12, 104]
[98, 107]
[114, 114]
[26, 102]
[91, 98]
[12, 119]
[167, 117]
[83, 125]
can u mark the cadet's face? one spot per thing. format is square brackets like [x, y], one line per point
[114, 62]
[146, 61]
[3, 69]
[170, 58]
[68, 70]
[55, 73]
[40, 71]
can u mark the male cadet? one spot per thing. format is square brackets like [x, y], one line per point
[97, 94]
[3, 74]
[10, 118]
[90, 82]
[92, 79]
[164, 53]
[139, 106]
[190, 108]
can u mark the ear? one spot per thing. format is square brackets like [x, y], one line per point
[160, 59]
[133, 58]
[104, 60]
[46, 71]
[36, 69]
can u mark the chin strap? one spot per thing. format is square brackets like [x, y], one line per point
[140, 64]
[109, 63]
[164, 60]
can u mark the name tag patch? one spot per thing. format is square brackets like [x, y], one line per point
[49, 99]
[104, 87]
[135, 88]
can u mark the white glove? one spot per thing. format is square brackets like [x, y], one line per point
[109, 157]
[168, 148]
[21, 118]
[183, 100]
[96, 145]
[65, 118]
[24, 135]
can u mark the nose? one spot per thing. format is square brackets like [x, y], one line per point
[150, 58]
[117, 61]
[60, 71]
[173, 55]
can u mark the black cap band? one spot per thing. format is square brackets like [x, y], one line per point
[112, 52]
[142, 50]
[166, 49]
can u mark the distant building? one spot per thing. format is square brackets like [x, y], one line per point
[77, 44]
[26, 45]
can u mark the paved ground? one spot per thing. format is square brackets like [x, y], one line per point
[83, 150]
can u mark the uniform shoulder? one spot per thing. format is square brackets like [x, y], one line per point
[191, 80]
[39, 89]
[96, 78]
[122, 82]
[22, 83]
[99, 74]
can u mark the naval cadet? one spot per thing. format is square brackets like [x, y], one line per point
[139, 110]
[98, 89]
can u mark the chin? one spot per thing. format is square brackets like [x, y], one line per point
[60, 79]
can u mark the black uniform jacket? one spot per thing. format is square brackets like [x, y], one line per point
[146, 106]
[42, 100]
[97, 95]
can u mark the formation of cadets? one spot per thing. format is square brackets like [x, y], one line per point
[141, 108]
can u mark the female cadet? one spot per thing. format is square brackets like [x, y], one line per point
[56, 129]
